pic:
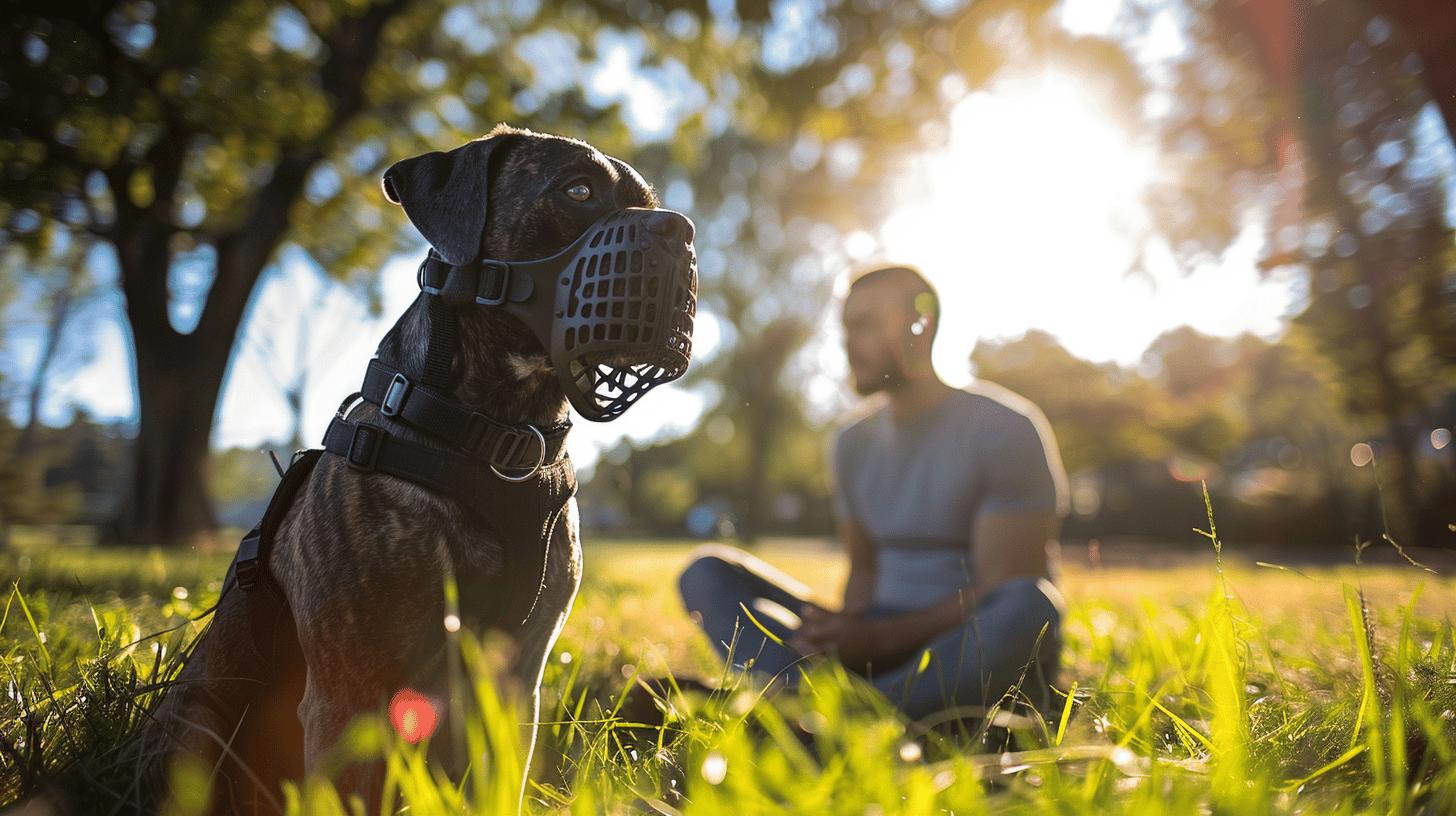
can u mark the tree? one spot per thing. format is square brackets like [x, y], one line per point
[1380, 306]
[1313, 114]
[62, 289]
[1101, 413]
[198, 138]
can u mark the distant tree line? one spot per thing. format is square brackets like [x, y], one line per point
[1261, 423]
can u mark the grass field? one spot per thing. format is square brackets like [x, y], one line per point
[1193, 689]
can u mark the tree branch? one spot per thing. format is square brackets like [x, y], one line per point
[353, 46]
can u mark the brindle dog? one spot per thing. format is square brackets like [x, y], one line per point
[362, 557]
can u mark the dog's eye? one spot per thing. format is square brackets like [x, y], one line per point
[578, 192]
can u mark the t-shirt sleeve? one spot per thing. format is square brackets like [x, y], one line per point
[1023, 469]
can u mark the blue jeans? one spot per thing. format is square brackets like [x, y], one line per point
[1000, 644]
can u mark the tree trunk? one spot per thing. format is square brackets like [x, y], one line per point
[294, 397]
[1430, 28]
[167, 503]
[179, 380]
[761, 432]
[55, 326]
[179, 377]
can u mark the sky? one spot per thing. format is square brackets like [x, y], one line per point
[1025, 159]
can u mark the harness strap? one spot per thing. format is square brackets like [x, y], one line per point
[507, 446]
[369, 448]
[440, 347]
[248, 567]
[524, 515]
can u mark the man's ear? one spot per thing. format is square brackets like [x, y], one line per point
[444, 195]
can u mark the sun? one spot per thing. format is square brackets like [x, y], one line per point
[1028, 218]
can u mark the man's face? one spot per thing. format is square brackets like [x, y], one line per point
[876, 334]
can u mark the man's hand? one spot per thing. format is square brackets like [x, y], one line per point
[856, 641]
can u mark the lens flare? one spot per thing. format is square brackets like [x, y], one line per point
[412, 715]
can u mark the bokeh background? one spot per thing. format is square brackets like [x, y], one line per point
[1212, 239]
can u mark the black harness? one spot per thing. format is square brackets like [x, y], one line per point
[516, 478]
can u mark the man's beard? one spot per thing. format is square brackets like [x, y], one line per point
[889, 378]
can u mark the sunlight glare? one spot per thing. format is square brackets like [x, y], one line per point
[1028, 219]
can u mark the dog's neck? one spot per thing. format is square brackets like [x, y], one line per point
[498, 368]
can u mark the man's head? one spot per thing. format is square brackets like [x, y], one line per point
[891, 315]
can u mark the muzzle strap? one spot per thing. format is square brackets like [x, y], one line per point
[485, 283]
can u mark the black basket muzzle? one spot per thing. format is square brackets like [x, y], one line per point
[625, 303]
[614, 309]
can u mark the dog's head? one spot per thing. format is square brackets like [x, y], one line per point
[512, 195]
[515, 195]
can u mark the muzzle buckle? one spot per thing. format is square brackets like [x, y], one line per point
[493, 287]
[395, 395]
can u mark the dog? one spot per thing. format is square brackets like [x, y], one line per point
[361, 559]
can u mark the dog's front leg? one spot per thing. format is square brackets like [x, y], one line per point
[534, 642]
[326, 712]
[369, 621]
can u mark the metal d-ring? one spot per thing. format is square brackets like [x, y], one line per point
[540, 460]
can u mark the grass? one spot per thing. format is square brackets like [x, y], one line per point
[1211, 685]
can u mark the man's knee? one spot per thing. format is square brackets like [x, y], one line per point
[704, 577]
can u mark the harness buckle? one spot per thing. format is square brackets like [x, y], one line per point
[516, 440]
[493, 287]
[432, 275]
[394, 396]
[364, 447]
[245, 567]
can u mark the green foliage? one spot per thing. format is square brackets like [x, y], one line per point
[26, 495]
[1102, 414]
[655, 485]
[1240, 404]
[1324, 147]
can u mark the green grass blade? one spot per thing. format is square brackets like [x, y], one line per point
[1066, 713]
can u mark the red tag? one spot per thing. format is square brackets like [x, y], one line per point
[412, 715]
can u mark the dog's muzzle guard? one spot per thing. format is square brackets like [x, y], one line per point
[614, 309]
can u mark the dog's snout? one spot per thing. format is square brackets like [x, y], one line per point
[670, 224]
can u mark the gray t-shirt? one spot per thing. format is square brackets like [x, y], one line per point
[917, 487]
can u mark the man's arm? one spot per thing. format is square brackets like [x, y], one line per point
[1003, 546]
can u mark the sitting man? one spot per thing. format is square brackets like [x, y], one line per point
[949, 505]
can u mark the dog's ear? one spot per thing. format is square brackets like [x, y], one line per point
[444, 195]
[628, 171]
